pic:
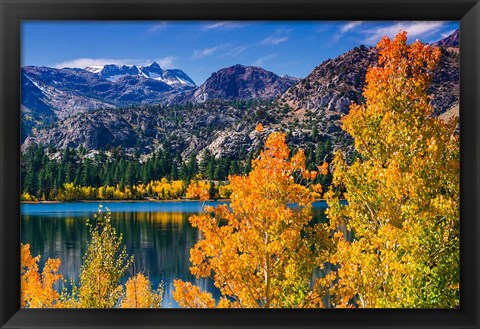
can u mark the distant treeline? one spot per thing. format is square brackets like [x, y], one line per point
[73, 174]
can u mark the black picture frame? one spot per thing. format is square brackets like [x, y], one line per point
[15, 11]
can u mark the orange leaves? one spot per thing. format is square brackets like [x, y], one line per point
[104, 264]
[50, 277]
[317, 188]
[324, 168]
[402, 189]
[139, 294]
[190, 296]
[198, 190]
[31, 286]
[38, 291]
[275, 150]
[261, 252]
[396, 96]
[309, 174]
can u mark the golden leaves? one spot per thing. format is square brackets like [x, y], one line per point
[38, 291]
[190, 296]
[104, 263]
[396, 243]
[139, 293]
[261, 252]
[324, 168]
[199, 190]
[402, 190]
[157, 189]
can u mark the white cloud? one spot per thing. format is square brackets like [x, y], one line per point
[84, 62]
[345, 28]
[207, 51]
[278, 36]
[166, 62]
[224, 25]
[261, 60]
[235, 51]
[350, 25]
[446, 34]
[157, 27]
[273, 41]
[415, 29]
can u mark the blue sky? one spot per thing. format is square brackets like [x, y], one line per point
[203, 47]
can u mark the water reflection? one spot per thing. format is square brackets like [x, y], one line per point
[158, 234]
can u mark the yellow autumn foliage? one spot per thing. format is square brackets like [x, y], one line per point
[139, 293]
[401, 247]
[38, 290]
[262, 252]
[198, 190]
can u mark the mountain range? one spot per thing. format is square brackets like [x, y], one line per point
[143, 108]
[52, 94]
[114, 72]
[452, 40]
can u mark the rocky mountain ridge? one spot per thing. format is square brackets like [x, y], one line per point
[324, 96]
[452, 40]
[145, 128]
[114, 72]
[318, 101]
[309, 111]
[242, 82]
[50, 94]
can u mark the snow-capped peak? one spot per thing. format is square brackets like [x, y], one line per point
[153, 65]
[94, 68]
[114, 72]
[152, 71]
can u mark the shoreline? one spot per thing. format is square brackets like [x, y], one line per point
[136, 201]
[117, 201]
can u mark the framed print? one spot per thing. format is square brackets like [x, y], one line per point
[239, 164]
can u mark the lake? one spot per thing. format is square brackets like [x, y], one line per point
[158, 234]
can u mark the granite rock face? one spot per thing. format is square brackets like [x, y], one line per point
[221, 114]
[324, 96]
[242, 82]
[453, 40]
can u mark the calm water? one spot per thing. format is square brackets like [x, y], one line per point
[158, 234]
